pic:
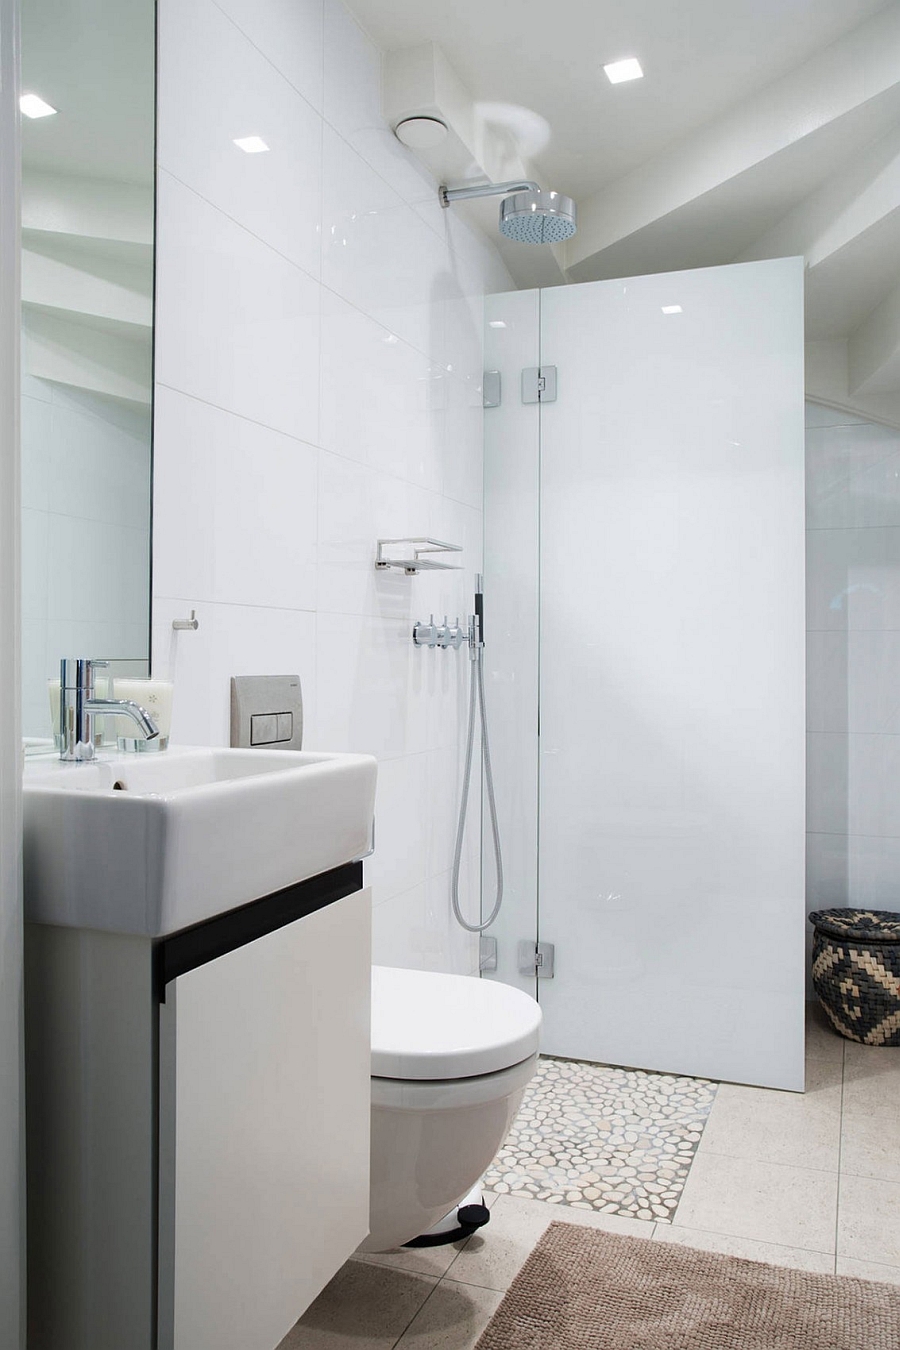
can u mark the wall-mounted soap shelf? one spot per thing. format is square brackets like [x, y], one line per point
[409, 555]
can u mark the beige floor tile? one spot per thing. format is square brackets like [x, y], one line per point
[822, 1041]
[494, 1257]
[424, 1260]
[365, 1307]
[434, 1261]
[452, 1319]
[869, 1220]
[768, 1202]
[821, 1263]
[868, 1270]
[797, 1129]
[870, 1137]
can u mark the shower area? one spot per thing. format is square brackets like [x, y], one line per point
[644, 665]
[692, 607]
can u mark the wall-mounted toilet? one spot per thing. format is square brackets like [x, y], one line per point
[451, 1058]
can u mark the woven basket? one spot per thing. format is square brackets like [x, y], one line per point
[856, 972]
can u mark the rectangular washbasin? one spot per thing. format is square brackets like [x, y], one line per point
[151, 844]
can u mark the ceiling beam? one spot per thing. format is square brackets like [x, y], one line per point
[844, 93]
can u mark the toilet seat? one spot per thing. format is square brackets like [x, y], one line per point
[427, 1026]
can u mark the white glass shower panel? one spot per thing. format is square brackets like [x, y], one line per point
[512, 475]
[671, 874]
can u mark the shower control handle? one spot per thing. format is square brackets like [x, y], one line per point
[425, 634]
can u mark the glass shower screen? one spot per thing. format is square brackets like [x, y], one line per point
[644, 581]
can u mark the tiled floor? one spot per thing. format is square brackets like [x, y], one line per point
[810, 1181]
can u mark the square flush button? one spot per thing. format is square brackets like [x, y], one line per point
[284, 726]
[263, 728]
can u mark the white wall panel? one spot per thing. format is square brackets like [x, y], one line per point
[853, 641]
[302, 414]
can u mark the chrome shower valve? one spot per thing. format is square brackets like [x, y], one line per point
[425, 634]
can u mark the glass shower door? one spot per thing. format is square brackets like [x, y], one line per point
[669, 554]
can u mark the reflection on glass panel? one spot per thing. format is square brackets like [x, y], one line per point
[87, 313]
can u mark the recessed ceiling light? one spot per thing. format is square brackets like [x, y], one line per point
[617, 72]
[252, 145]
[671, 309]
[32, 106]
[496, 323]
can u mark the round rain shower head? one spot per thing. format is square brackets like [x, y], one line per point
[538, 217]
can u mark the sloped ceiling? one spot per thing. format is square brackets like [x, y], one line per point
[761, 128]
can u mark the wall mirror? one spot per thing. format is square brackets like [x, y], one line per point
[88, 137]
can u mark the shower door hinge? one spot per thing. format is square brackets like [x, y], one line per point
[487, 957]
[539, 384]
[491, 389]
[536, 958]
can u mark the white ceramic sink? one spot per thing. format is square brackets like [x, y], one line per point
[150, 844]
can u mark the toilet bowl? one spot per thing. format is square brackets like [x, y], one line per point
[451, 1058]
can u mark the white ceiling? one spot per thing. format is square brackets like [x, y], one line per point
[699, 58]
[761, 128]
[94, 61]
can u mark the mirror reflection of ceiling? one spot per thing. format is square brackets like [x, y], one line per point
[87, 335]
[92, 60]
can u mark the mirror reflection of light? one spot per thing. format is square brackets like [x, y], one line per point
[251, 145]
[496, 323]
[671, 309]
[31, 105]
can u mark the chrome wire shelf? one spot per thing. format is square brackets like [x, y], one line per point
[411, 557]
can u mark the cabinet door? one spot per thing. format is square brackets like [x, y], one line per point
[264, 1130]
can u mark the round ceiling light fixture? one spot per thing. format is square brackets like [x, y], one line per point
[421, 133]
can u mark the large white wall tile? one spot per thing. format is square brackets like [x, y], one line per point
[377, 253]
[300, 419]
[237, 324]
[231, 640]
[853, 578]
[381, 399]
[235, 515]
[852, 476]
[36, 415]
[237, 93]
[853, 650]
[373, 695]
[289, 34]
[353, 105]
[400, 861]
[357, 506]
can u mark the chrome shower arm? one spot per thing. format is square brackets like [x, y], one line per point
[458, 194]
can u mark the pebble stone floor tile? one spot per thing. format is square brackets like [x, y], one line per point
[620, 1141]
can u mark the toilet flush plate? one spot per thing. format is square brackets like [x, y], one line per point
[266, 711]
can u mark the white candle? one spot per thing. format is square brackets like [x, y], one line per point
[155, 696]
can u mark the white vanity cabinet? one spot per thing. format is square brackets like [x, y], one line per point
[198, 1126]
[264, 1135]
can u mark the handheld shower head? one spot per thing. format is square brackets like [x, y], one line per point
[538, 217]
[528, 213]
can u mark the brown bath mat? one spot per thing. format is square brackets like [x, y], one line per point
[583, 1289]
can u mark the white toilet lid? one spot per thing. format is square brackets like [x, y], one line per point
[426, 1025]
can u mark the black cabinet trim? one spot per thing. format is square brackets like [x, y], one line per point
[192, 947]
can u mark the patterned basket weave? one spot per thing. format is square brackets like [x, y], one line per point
[856, 972]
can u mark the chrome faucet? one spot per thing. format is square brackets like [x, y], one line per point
[78, 707]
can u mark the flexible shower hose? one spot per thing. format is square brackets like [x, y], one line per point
[476, 701]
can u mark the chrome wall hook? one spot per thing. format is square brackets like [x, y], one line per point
[193, 622]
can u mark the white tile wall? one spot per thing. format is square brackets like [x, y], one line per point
[319, 357]
[853, 645]
[85, 496]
